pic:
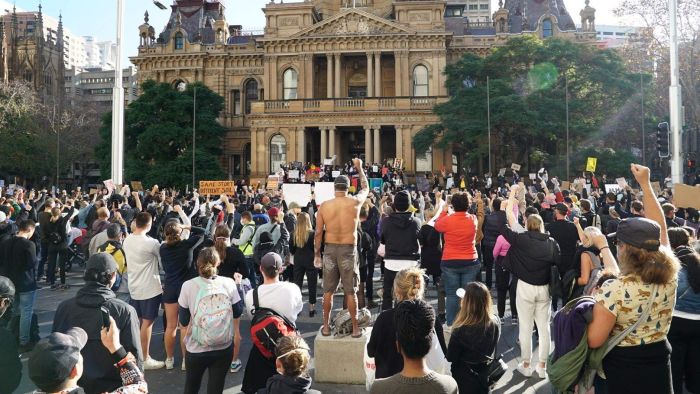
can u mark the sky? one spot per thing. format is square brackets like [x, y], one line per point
[97, 18]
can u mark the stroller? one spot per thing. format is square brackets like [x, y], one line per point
[74, 252]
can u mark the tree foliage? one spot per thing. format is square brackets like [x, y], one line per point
[527, 83]
[158, 136]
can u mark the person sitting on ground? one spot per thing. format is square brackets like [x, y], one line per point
[10, 363]
[56, 365]
[292, 362]
[84, 311]
[282, 297]
[414, 321]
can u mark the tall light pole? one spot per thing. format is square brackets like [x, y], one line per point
[644, 135]
[488, 118]
[118, 106]
[566, 99]
[194, 135]
[674, 99]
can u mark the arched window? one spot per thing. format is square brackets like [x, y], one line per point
[179, 41]
[420, 81]
[547, 28]
[251, 94]
[278, 152]
[424, 162]
[290, 83]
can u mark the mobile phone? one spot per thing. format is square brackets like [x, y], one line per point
[105, 317]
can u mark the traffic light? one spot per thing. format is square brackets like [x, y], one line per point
[662, 140]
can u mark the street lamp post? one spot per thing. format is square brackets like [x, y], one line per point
[194, 135]
[118, 106]
[488, 118]
[566, 98]
[674, 99]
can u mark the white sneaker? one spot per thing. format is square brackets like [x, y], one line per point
[151, 364]
[236, 365]
[169, 363]
[525, 371]
[183, 368]
[541, 371]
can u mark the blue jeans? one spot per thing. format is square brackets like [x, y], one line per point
[24, 308]
[453, 279]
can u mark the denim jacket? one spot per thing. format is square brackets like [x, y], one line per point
[687, 300]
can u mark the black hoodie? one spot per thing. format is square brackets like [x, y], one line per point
[288, 385]
[83, 311]
[400, 236]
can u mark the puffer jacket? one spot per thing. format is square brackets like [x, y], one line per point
[531, 255]
[492, 227]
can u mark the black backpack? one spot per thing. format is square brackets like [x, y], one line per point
[56, 234]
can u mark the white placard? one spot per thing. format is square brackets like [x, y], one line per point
[335, 174]
[293, 174]
[299, 193]
[533, 176]
[612, 188]
[622, 182]
[375, 168]
[323, 192]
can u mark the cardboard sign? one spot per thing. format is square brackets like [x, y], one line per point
[565, 185]
[515, 167]
[293, 174]
[137, 186]
[335, 174]
[502, 171]
[622, 182]
[109, 184]
[686, 196]
[273, 182]
[612, 188]
[422, 184]
[323, 191]
[299, 193]
[94, 191]
[216, 187]
[533, 176]
[591, 164]
[398, 163]
[656, 187]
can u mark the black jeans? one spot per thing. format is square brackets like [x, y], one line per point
[217, 362]
[388, 289]
[57, 257]
[488, 264]
[369, 283]
[684, 337]
[311, 273]
[505, 284]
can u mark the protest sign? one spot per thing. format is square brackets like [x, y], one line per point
[686, 196]
[591, 164]
[94, 191]
[273, 182]
[612, 188]
[515, 167]
[299, 193]
[502, 171]
[323, 191]
[622, 182]
[109, 184]
[293, 174]
[216, 187]
[2, 183]
[375, 168]
[376, 184]
[565, 185]
[422, 183]
[398, 163]
[533, 176]
[137, 186]
[335, 174]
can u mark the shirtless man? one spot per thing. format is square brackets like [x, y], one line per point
[339, 219]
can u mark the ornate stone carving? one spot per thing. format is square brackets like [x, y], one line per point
[353, 24]
[288, 21]
[422, 16]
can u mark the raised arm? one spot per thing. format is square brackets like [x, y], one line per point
[364, 185]
[318, 238]
[652, 208]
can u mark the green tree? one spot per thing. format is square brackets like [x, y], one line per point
[527, 80]
[158, 136]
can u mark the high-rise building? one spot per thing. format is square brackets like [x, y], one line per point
[100, 54]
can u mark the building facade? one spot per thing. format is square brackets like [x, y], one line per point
[335, 78]
[94, 87]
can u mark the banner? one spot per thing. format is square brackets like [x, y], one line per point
[591, 164]
[299, 193]
[323, 191]
[686, 196]
[216, 188]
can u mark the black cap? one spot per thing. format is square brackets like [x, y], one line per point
[271, 260]
[341, 182]
[102, 263]
[639, 232]
[562, 208]
[7, 288]
[54, 357]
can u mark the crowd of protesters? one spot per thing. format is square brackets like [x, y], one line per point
[205, 262]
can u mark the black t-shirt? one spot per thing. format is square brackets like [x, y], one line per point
[566, 235]
[10, 364]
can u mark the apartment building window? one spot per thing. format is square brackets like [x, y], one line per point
[484, 6]
[473, 7]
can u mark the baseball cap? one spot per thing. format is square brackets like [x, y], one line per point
[101, 262]
[271, 260]
[639, 232]
[7, 288]
[341, 182]
[54, 357]
[273, 212]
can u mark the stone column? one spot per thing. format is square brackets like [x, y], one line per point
[378, 75]
[331, 141]
[329, 76]
[399, 142]
[254, 170]
[377, 145]
[370, 79]
[301, 144]
[337, 93]
[324, 144]
[368, 144]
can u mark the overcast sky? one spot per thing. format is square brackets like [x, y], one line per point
[98, 17]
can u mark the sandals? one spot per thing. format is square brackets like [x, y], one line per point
[360, 335]
[324, 333]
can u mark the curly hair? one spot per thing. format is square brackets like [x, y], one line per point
[658, 267]
[414, 321]
[293, 353]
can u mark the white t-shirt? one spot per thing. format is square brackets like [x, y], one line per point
[282, 297]
[188, 297]
[143, 257]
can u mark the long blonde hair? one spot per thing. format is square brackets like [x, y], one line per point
[302, 229]
[409, 284]
[475, 308]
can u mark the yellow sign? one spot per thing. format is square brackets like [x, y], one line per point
[591, 164]
[216, 187]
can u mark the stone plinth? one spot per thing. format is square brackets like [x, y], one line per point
[339, 360]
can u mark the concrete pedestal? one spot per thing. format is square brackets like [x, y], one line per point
[339, 360]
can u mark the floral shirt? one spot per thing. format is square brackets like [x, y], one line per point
[626, 298]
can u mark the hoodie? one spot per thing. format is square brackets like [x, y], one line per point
[83, 311]
[400, 236]
[288, 385]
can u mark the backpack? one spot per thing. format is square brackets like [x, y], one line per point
[212, 322]
[342, 323]
[56, 236]
[103, 249]
[595, 274]
[267, 327]
[281, 247]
